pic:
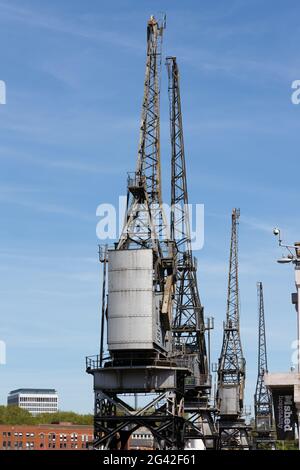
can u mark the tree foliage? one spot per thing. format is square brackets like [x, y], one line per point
[286, 445]
[16, 415]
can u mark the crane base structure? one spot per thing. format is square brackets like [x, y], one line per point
[115, 420]
[264, 441]
[234, 435]
[200, 423]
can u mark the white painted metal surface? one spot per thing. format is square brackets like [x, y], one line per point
[133, 308]
[229, 401]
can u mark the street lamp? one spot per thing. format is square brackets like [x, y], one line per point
[293, 256]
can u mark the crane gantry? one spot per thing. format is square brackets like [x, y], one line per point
[151, 305]
[141, 283]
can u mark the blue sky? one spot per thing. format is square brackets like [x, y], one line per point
[74, 73]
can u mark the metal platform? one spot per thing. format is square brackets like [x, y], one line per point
[115, 420]
[234, 435]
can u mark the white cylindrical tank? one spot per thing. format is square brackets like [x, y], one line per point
[133, 308]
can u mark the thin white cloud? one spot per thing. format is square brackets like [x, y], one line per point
[8, 189]
[46, 207]
[31, 256]
[63, 163]
[238, 66]
[34, 18]
[257, 224]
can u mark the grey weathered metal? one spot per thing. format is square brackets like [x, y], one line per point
[188, 327]
[133, 308]
[188, 319]
[141, 282]
[231, 368]
[262, 397]
[145, 220]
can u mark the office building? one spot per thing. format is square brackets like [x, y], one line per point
[34, 400]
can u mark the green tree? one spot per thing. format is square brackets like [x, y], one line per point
[16, 415]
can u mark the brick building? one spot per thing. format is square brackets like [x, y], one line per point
[62, 436]
[141, 439]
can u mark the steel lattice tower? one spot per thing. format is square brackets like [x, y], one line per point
[262, 397]
[231, 367]
[145, 221]
[188, 319]
[232, 364]
[188, 327]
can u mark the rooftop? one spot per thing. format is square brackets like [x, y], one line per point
[33, 390]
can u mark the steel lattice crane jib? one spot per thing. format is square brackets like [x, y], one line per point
[231, 369]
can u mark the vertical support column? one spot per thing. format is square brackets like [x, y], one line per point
[103, 258]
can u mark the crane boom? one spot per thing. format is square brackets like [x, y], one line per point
[231, 368]
[188, 327]
[145, 222]
[262, 397]
[148, 161]
[188, 319]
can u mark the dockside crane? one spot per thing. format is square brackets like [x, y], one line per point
[264, 435]
[188, 324]
[233, 432]
[141, 284]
